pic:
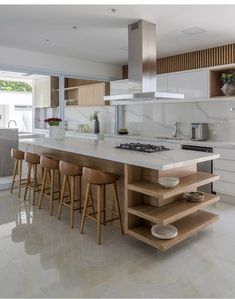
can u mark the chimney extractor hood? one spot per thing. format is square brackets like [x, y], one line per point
[142, 60]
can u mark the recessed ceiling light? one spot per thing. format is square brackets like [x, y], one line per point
[112, 9]
[75, 27]
[194, 31]
[47, 40]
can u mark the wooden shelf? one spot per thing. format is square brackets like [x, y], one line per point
[172, 211]
[186, 184]
[186, 226]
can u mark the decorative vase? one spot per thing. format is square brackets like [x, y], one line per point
[96, 126]
[228, 89]
[56, 132]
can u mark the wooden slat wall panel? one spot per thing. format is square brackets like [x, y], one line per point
[194, 60]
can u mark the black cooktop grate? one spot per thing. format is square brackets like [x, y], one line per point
[141, 147]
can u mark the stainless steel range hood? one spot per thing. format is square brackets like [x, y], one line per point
[142, 57]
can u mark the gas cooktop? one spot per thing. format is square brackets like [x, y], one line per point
[141, 147]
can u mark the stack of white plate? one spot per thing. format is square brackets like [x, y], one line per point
[164, 232]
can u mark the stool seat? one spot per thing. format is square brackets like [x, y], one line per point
[70, 169]
[48, 162]
[32, 158]
[97, 177]
[17, 154]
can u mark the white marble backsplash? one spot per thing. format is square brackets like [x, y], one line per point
[157, 120]
[76, 116]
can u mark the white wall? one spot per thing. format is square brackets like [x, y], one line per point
[11, 58]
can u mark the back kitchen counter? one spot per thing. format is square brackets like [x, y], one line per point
[144, 202]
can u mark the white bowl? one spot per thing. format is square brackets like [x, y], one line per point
[168, 182]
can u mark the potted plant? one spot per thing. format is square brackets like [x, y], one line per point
[94, 117]
[228, 79]
[55, 131]
[53, 121]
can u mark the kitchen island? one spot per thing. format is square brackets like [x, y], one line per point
[144, 202]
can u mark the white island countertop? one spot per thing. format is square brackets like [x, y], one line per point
[106, 150]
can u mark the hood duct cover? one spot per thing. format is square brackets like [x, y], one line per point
[142, 57]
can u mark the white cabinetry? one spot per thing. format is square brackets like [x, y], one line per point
[193, 84]
[45, 92]
[162, 82]
[225, 168]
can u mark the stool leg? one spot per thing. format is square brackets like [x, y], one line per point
[43, 187]
[92, 202]
[34, 182]
[72, 201]
[69, 189]
[99, 203]
[85, 208]
[62, 195]
[28, 180]
[115, 194]
[80, 194]
[20, 177]
[14, 174]
[104, 204]
[59, 182]
[52, 191]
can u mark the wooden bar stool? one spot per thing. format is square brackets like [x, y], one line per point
[18, 156]
[49, 167]
[71, 173]
[33, 160]
[100, 179]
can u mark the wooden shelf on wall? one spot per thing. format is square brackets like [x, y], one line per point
[172, 211]
[186, 184]
[186, 226]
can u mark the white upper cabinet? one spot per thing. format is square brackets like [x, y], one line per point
[193, 84]
[118, 87]
[162, 82]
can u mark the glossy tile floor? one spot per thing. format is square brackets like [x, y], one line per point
[42, 257]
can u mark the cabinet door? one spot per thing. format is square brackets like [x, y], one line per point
[45, 92]
[42, 92]
[162, 83]
[91, 95]
[193, 84]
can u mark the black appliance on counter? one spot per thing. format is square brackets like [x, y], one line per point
[206, 166]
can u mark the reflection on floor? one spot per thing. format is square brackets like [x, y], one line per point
[42, 257]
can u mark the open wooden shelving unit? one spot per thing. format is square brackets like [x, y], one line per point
[187, 227]
[147, 203]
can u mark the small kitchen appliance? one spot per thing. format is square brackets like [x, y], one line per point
[199, 131]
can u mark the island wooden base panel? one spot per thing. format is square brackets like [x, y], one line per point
[187, 227]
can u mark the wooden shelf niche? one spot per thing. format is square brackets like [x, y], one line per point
[216, 83]
[147, 203]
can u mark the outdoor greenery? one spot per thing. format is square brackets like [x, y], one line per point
[15, 86]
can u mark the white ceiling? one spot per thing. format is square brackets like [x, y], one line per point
[102, 33]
